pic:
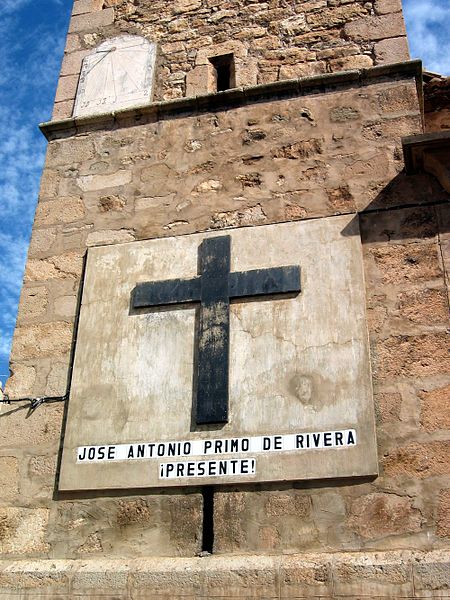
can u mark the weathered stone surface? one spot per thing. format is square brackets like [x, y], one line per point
[435, 413]
[22, 530]
[379, 515]
[45, 339]
[62, 210]
[63, 266]
[383, 7]
[9, 479]
[419, 460]
[42, 240]
[33, 303]
[100, 238]
[21, 380]
[412, 356]
[42, 429]
[93, 183]
[443, 514]
[376, 27]
[391, 50]
[91, 21]
[412, 262]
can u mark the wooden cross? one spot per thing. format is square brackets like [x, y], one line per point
[213, 288]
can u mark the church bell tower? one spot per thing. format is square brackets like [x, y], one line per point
[234, 313]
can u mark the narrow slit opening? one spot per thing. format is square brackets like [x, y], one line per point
[208, 520]
[224, 72]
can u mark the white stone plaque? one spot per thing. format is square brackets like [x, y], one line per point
[300, 397]
[118, 74]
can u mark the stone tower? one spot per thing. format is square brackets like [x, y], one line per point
[234, 311]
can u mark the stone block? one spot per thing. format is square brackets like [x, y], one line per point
[33, 303]
[373, 576]
[57, 379]
[22, 530]
[70, 151]
[418, 460]
[63, 266]
[71, 65]
[93, 183]
[235, 47]
[42, 241]
[105, 576]
[35, 579]
[411, 356]
[302, 70]
[67, 88]
[431, 572]
[110, 236]
[435, 413]
[91, 21]
[44, 339]
[383, 7]
[72, 43]
[199, 80]
[309, 576]
[347, 63]
[391, 50]
[443, 514]
[372, 28]
[61, 210]
[21, 380]
[86, 6]
[424, 307]
[9, 479]
[380, 515]
[65, 306]
[185, 6]
[401, 263]
[388, 406]
[62, 110]
[293, 504]
[49, 183]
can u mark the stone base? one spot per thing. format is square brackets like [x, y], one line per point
[394, 574]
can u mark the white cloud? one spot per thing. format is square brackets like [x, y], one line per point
[10, 6]
[428, 26]
[31, 53]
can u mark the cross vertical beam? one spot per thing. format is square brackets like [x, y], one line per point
[214, 331]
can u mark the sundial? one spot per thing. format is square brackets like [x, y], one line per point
[116, 75]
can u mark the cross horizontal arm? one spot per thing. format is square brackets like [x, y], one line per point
[171, 291]
[261, 282]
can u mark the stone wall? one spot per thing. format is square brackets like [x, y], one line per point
[283, 151]
[271, 40]
[333, 149]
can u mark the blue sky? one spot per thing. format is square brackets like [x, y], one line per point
[32, 36]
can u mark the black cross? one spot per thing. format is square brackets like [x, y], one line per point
[213, 289]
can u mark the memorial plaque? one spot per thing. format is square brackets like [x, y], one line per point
[116, 75]
[272, 318]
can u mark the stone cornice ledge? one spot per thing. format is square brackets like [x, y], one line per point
[383, 574]
[230, 98]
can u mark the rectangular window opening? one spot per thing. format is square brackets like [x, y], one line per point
[224, 72]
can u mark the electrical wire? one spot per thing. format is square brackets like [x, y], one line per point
[34, 402]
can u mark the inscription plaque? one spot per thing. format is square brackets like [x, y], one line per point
[300, 398]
